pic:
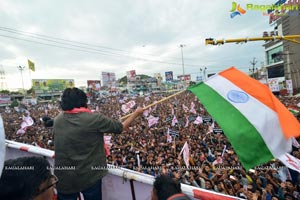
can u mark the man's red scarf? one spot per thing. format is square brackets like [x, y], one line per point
[78, 110]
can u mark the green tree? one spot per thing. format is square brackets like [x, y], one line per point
[29, 92]
[4, 92]
[15, 103]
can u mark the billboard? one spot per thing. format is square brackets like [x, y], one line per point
[94, 85]
[186, 77]
[274, 84]
[169, 76]
[108, 78]
[5, 100]
[199, 78]
[130, 75]
[40, 86]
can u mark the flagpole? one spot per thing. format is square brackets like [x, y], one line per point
[182, 148]
[174, 147]
[157, 102]
[30, 77]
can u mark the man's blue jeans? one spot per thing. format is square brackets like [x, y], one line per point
[92, 193]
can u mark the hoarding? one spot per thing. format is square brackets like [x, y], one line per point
[169, 76]
[94, 85]
[186, 77]
[41, 86]
[5, 100]
[130, 75]
[108, 79]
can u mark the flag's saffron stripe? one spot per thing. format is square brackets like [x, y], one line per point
[289, 124]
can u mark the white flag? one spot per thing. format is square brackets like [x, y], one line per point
[186, 154]
[219, 160]
[290, 161]
[27, 121]
[198, 120]
[174, 121]
[147, 112]
[152, 120]
[127, 106]
[169, 137]
[107, 144]
[193, 111]
[185, 108]
[211, 128]
[186, 122]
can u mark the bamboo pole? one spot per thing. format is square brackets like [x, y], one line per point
[157, 102]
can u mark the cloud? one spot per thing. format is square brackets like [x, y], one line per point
[117, 36]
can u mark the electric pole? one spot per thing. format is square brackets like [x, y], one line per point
[181, 46]
[253, 63]
[21, 68]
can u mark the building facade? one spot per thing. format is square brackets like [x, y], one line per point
[282, 57]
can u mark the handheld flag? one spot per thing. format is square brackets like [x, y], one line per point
[31, 65]
[248, 113]
[152, 120]
[174, 121]
[169, 137]
[27, 122]
[186, 154]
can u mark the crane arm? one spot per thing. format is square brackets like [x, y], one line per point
[292, 38]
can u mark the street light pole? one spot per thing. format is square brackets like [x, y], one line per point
[21, 68]
[181, 46]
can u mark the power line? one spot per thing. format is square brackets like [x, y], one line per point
[82, 49]
[71, 43]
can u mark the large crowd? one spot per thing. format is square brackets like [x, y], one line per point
[146, 149]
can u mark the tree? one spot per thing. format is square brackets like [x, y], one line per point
[28, 92]
[14, 104]
[4, 92]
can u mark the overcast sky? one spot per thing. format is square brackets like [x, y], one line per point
[80, 39]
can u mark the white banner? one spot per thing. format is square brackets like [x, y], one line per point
[273, 85]
[126, 107]
[290, 161]
[289, 85]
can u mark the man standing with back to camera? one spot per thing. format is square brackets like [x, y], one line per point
[80, 160]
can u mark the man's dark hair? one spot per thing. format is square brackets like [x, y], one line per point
[21, 177]
[165, 187]
[73, 98]
[47, 121]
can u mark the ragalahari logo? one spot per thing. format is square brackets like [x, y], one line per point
[236, 10]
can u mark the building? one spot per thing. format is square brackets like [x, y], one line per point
[291, 26]
[282, 57]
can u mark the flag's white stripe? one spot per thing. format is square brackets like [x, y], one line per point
[264, 119]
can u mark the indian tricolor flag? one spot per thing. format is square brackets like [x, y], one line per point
[257, 124]
[293, 110]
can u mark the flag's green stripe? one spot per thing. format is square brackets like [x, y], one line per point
[294, 112]
[245, 139]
